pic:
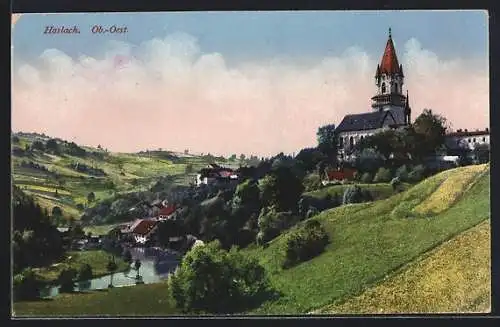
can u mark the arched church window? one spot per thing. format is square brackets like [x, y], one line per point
[362, 137]
[383, 87]
[484, 139]
[351, 141]
[341, 142]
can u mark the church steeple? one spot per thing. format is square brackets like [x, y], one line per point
[389, 79]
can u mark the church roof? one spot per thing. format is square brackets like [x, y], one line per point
[389, 63]
[369, 120]
[360, 122]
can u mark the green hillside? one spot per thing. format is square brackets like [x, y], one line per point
[370, 242]
[52, 180]
[454, 277]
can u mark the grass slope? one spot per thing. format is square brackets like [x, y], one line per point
[368, 242]
[379, 191]
[454, 277]
[140, 300]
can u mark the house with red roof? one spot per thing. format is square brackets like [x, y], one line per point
[215, 173]
[166, 212]
[142, 229]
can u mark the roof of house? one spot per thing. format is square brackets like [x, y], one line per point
[166, 211]
[389, 63]
[469, 133]
[143, 226]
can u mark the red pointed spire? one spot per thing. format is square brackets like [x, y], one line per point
[389, 63]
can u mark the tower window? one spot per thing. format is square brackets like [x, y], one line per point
[383, 87]
[396, 87]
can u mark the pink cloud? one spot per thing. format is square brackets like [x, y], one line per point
[170, 95]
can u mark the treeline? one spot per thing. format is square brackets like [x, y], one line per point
[33, 165]
[36, 241]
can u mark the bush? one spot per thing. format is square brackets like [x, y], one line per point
[383, 175]
[66, 280]
[353, 194]
[211, 280]
[366, 178]
[417, 174]
[402, 173]
[272, 223]
[395, 183]
[305, 243]
[85, 272]
[26, 286]
[312, 182]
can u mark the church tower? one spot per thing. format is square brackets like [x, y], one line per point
[389, 79]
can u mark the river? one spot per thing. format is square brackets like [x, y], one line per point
[156, 265]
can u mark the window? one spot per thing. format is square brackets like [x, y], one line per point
[383, 87]
[484, 139]
[341, 142]
[351, 141]
[468, 140]
[396, 87]
[362, 137]
[474, 140]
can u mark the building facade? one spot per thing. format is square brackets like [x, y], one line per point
[390, 107]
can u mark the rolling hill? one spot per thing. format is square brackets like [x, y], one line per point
[65, 177]
[376, 248]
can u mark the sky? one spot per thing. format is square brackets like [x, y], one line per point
[256, 83]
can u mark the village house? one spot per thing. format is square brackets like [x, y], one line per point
[215, 173]
[464, 139]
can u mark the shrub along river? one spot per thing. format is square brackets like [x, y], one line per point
[156, 265]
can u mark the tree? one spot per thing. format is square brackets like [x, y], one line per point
[38, 145]
[15, 139]
[481, 153]
[137, 266]
[310, 158]
[281, 188]
[433, 129]
[326, 141]
[66, 280]
[57, 211]
[111, 267]
[91, 197]
[242, 159]
[305, 243]
[52, 146]
[383, 176]
[212, 280]
[232, 157]
[26, 285]
[85, 272]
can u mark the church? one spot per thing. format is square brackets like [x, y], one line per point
[390, 107]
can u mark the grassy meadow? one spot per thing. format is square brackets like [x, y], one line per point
[454, 277]
[97, 259]
[409, 254]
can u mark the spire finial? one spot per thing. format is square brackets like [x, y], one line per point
[390, 34]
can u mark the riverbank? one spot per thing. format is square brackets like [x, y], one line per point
[97, 259]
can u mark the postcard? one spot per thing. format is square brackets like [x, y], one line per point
[250, 163]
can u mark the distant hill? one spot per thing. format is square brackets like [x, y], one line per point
[60, 173]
